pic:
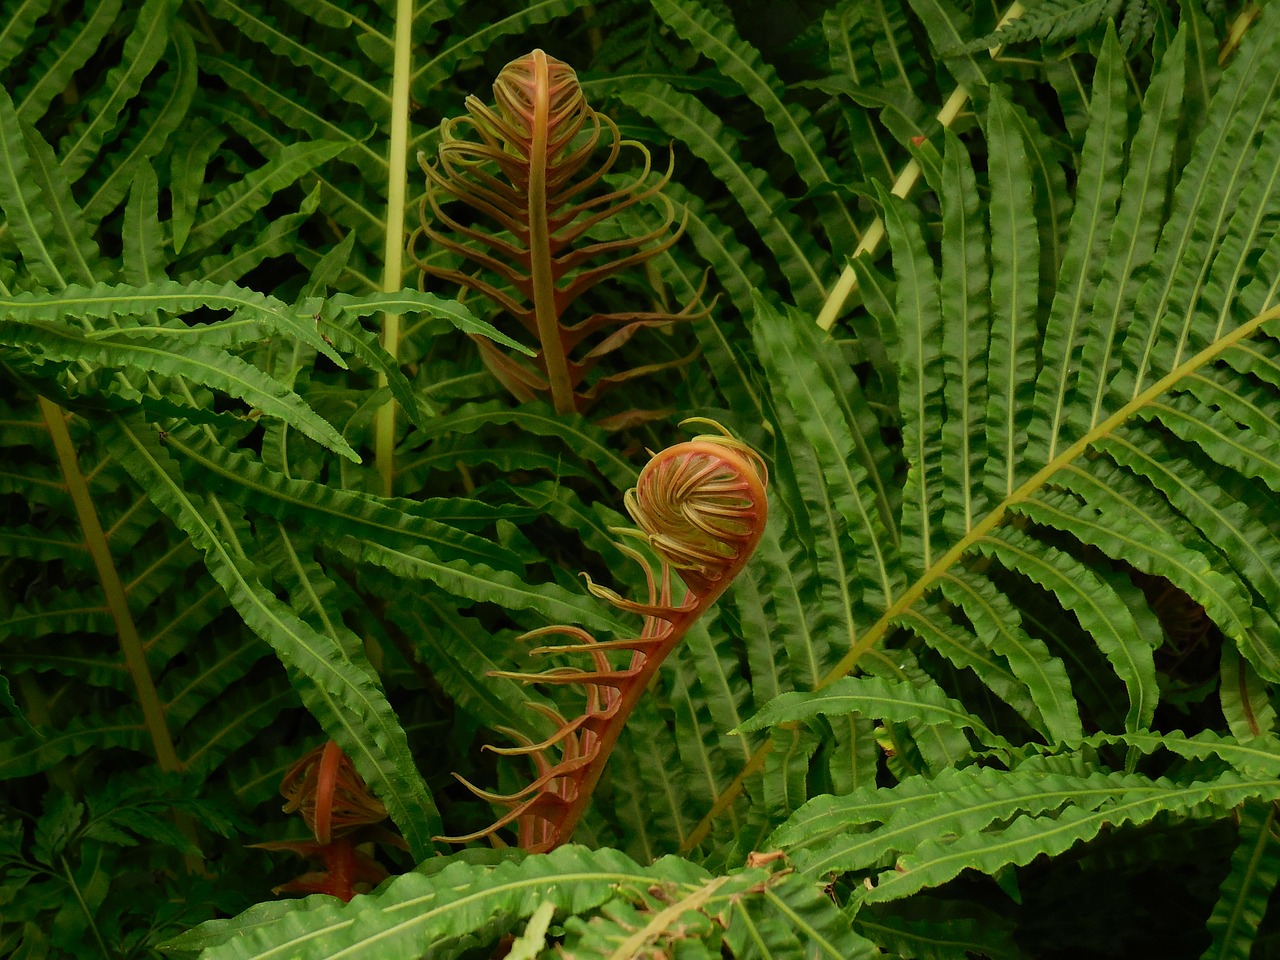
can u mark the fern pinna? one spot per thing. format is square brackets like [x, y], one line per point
[532, 174]
[701, 507]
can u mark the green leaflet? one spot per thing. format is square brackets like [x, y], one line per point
[410, 301]
[1245, 891]
[964, 295]
[144, 241]
[265, 314]
[1244, 697]
[1097, 194]
[1012, 346]
[920, 380]
[872, 697]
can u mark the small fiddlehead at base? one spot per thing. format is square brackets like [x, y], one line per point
[701, 507]
[324, 788]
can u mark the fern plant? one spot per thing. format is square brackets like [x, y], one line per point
[998, 313]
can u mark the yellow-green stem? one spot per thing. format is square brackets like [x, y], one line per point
[117, 602]
[393, 254]
[903, 185]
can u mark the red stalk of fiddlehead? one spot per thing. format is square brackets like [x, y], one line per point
[701, 507]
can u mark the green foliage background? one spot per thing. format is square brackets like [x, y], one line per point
[999, 680]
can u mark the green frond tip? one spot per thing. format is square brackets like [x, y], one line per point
[416, 301]
[872, 697]
[262, 315]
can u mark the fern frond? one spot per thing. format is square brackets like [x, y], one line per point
[520, 165]
[598, 893]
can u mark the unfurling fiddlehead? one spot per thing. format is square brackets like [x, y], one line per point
[529, 166]
[701, 507]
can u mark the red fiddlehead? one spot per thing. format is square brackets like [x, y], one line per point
[325, 789]
[701, 508]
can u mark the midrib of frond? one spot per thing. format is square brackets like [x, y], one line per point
[942, 567]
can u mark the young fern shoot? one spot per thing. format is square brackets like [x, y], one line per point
[534, 169]
[701, 507]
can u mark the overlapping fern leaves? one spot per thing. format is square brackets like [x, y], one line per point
[1008, 639]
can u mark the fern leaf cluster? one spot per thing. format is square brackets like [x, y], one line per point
[994, 305]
